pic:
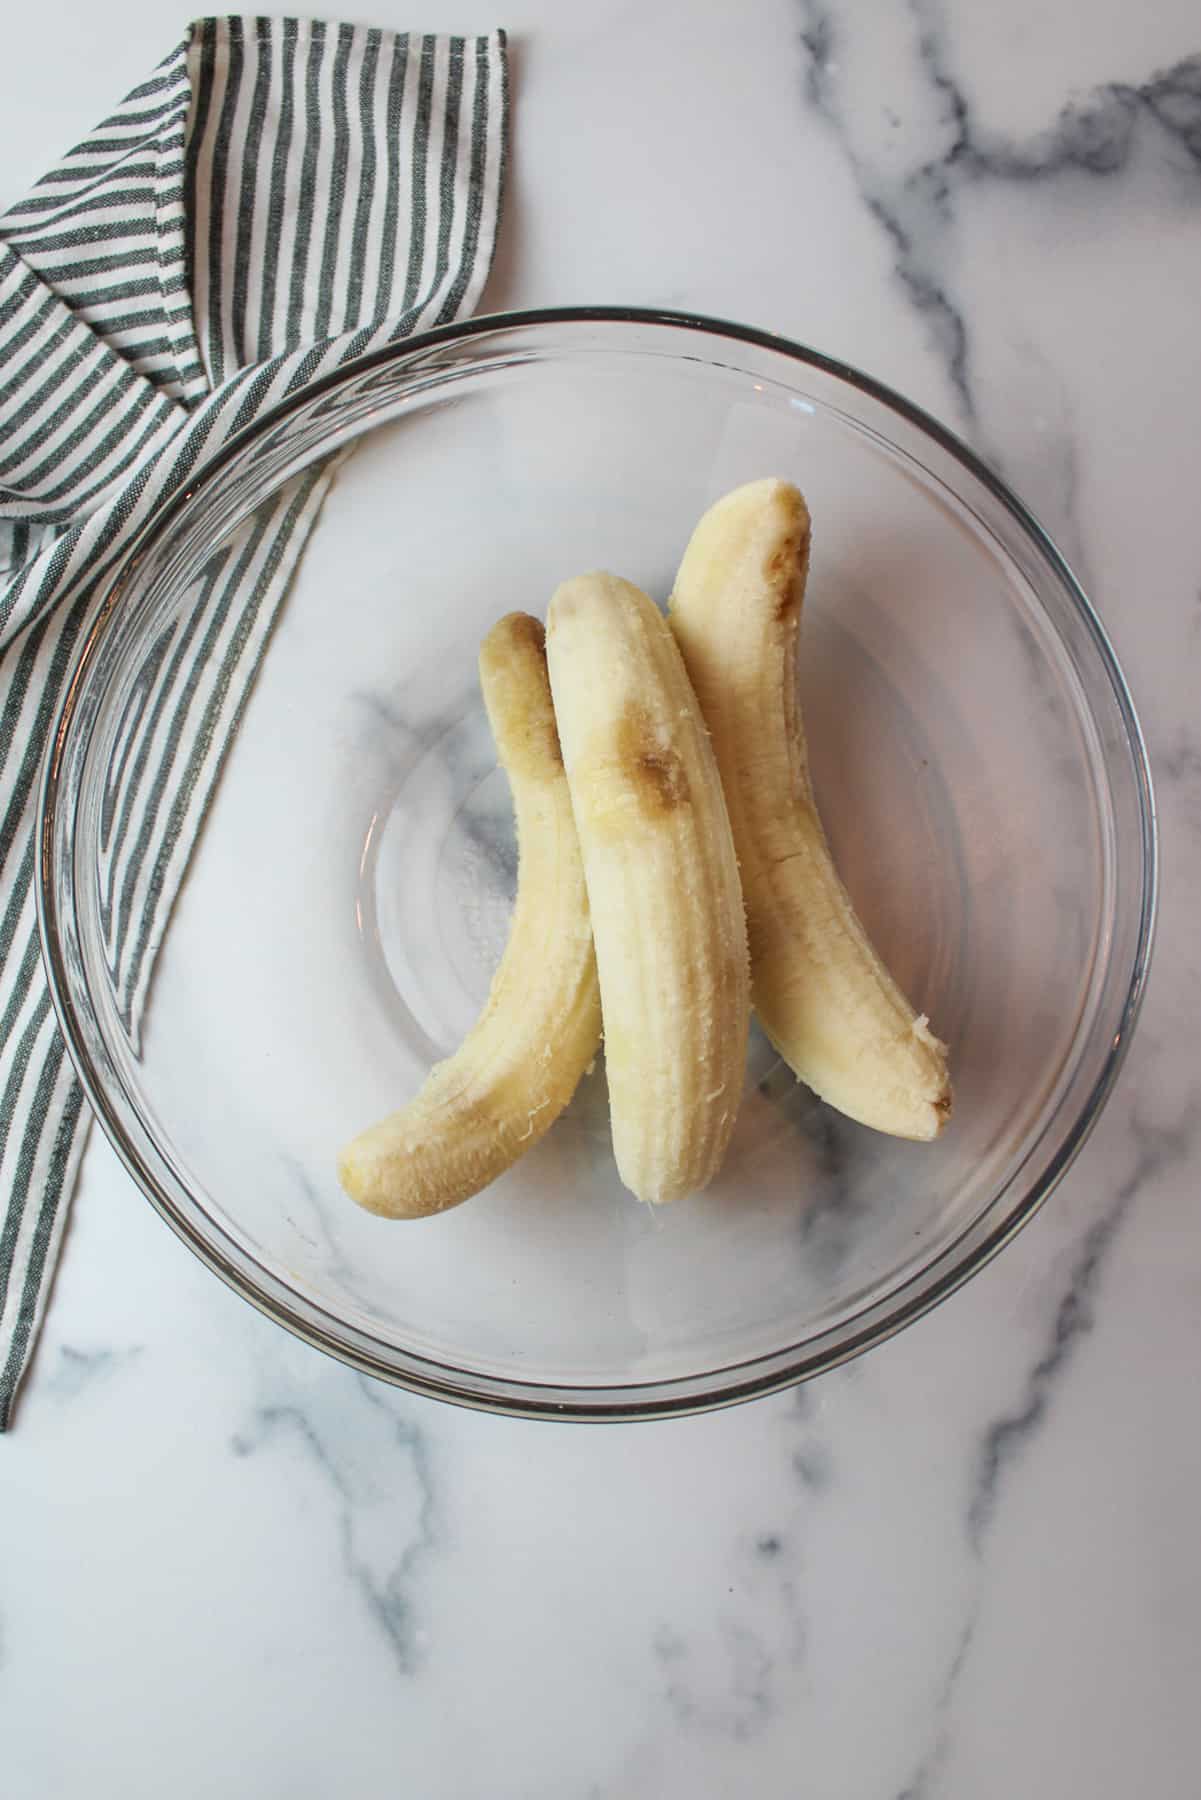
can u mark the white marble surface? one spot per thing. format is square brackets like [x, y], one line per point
[968, 1565]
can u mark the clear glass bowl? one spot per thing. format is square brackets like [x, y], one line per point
[978, 763]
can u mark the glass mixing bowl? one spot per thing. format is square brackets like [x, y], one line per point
[978, 764]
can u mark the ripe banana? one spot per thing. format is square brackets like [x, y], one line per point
[662, 884]
[824, 997]
[540, 1028]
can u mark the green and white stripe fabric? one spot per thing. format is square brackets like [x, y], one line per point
[279, 197]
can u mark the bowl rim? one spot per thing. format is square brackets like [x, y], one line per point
[682, 1395]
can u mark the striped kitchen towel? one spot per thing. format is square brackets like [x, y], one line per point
[280, 196]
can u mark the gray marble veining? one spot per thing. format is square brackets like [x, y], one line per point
[77, 1369]
[1158, 1149]
[375, 1469]
[916, 159]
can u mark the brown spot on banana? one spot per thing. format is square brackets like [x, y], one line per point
[656, 771]
[784, 575]
[518, 701]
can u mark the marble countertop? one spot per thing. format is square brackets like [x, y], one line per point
[967, 1565]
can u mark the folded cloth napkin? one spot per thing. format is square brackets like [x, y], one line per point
[280, 196]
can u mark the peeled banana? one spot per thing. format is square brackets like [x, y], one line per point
[662, 884]
[822, 994]
[540, 1028]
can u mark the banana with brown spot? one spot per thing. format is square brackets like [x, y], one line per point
[539, 1031]
[822, 993]
[662, 884]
